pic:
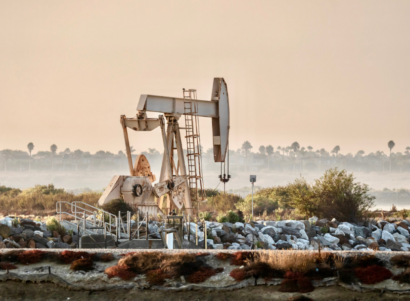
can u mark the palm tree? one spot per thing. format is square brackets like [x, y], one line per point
[53, 149]
[30, 147]
[295, 146]
[336, 150]
[269, 151]
[246, 148]
[262, 150]
[391, 144]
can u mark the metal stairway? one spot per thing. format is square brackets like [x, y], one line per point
[193, 140]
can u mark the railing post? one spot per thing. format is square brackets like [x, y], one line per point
[196, 233]
[138, 224]
[84, 222]
[189, 229]
[147, 226]
[119, 225]
[205, 236]
[105, 234]
[129, 225]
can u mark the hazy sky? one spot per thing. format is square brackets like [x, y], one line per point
[318, 72]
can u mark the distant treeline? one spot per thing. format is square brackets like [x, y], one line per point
[265, 158]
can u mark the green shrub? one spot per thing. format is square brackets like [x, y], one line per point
[335, 195]
[117, 205]
[205, 215]
[232, 217]
[221, 218]
[54, 225]
[260, 204]
[223, 202]
[324, 230]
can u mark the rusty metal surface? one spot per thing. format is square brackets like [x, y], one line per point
[142, 168]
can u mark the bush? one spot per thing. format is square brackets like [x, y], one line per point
[205, 215]
[121, 271]
[30, 257]
[54, 225]
[117, 205]
[335, 195]
[232, 217]
[7, 266]
[221, 218]
[402, 261]
[223, 202]
[238, 274]
[260, 204]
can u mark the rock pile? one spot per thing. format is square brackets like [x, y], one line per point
[32, 234]
[305, 235]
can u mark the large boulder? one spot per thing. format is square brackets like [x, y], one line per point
[229, 237]
[303, 234]
[403, 225]
[403, 231]
[311, 233]
[28, 233]
[4, 231]
[377, 234]
[39, 239]
[362, 231]
[389, 227]
[291, 231]
[298, 225]
[386, 235]
[400, 238]
[269, 230]
[393, 245]
[283, 245]
[321, 222]
[323, 241]
[332, 239]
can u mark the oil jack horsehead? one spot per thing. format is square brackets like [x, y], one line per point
[137, 189]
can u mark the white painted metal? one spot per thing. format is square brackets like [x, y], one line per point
[170, 240]
[175, 105]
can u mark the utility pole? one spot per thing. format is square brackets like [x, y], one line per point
[253, 180]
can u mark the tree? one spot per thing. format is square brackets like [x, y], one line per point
[336, 150]
[246, 148]
[335, 195]
[295, 146]
[30, 147]
[262, 150]
[67, 151]
[269, 151]
[391, 144]
[53, 149]
[310, 148]
[360, 153]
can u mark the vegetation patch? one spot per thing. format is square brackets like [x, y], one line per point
[104, 257]
[30, 257]
[238, 274]
[239, 258]
[123, 272]
[203, 274]
[68, 257]
[223, 256]
[84, 264]
[373, 274]
[401, 261]
[7, 266]
[156, 277]
[347, 276]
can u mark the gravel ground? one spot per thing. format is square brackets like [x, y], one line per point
[13, 291]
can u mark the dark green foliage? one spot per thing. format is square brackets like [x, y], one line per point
[335, 195]
[232, 216]
[118, 205]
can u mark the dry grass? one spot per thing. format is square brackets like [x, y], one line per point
[373, 274]
[298, 261]
[41, 199]
[30, 257]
